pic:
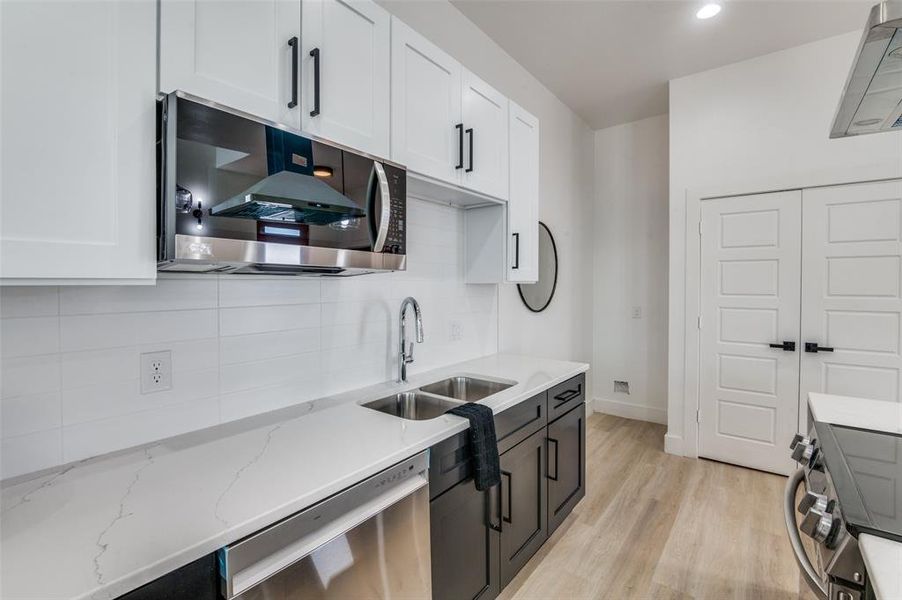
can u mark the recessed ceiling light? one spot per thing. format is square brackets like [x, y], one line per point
[708, 10]
[867, 122]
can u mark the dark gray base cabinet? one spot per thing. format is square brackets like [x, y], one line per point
[524, 502]
[566, 465]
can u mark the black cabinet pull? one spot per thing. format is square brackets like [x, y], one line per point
[470, 133]
[506, 519]
[293, 43]
[565, 397]
[460, 146]
[785, 346]
[493, 507]
[814, 348]
[315, 54]
[549, 475]
[516, 264]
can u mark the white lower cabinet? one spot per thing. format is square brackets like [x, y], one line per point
[78, 121]
[346, 65]
[244, 54]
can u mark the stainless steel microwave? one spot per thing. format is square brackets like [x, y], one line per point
[240, 195]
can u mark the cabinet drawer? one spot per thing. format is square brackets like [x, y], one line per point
[564, 396]
[449, 463]
[519, 422]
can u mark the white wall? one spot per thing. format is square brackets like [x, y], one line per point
[241, 345]
[564, 329]
[631, 269]
[757, 125]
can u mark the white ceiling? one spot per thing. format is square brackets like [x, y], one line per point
[610, 61]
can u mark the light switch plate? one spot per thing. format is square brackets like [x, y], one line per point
[156, 371]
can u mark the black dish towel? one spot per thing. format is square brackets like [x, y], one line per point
[483, 445]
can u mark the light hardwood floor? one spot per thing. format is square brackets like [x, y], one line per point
[654, 525]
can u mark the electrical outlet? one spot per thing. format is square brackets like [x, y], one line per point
[457, 331]
[637, 312]
[621, 387]
[156, 371]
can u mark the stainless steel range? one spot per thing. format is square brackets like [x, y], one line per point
[851, 477]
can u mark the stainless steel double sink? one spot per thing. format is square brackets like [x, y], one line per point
[435, 399]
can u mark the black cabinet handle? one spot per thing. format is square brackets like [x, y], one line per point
[315, 54]
[460, 146]
[493, 507]
[549, 475]
[516, 264]
[814, 348]
[567, 396]
[470, 133]
[504, 474]
[785, 346]
[293, 42]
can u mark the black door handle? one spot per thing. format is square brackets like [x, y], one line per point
[315, 54]
[814, 348]
[293, 42]
[549, 475]
[470, 133]
[785, 346]
[460, 146]
[516, 264]
[568, 395]
[506, 519]
[493, 507]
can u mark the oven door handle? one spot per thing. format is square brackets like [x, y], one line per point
[385, 203]
[808, 571]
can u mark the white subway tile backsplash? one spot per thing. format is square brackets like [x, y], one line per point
[259, 319]
[28, 414]
[167, 294]
[241, 345]
[29, 336]
[126, 329]
[248, 290]
[29, 301]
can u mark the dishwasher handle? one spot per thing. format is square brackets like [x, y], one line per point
[257, 558]
[809, 573]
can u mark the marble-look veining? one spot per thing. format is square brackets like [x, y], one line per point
[110, 524]
[882, 557]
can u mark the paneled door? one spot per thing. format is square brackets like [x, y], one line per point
[240, 53]
[748, 380]
[347, 53]
[851, 288]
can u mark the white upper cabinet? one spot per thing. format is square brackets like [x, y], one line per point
[240, 53]
[78, 122]
[523, 204]
[347, 86]
[427, 132]
[485, 137]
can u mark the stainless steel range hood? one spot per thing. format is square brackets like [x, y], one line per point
[872, 98]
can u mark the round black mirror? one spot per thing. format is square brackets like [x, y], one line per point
[537, 296]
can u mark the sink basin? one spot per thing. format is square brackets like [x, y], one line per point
[413, 405]
[465, 389]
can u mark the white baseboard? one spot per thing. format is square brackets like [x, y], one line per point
[630, 411]
[673, 444]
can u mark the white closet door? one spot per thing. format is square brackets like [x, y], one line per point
[750, 274]
[852, 251]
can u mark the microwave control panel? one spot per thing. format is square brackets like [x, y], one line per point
[396, 238]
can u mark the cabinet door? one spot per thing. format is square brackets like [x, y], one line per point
[465, 549]
[566, 465]
[427, 133]
[78, 115]
[349, 100]
[524, 498]
[485, 137]
[235, 52]
[523, 201]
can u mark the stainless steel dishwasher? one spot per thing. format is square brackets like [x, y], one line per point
[369, 541]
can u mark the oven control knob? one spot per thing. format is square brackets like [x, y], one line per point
[803, 451]
[818, 525]
[813, 500]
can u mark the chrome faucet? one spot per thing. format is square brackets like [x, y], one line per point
[404, 357]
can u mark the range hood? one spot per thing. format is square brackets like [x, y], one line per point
[872, 98]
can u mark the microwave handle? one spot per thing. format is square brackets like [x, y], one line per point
[385, 215]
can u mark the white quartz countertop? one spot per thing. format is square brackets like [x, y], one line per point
[882, 557]
[105, 526]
